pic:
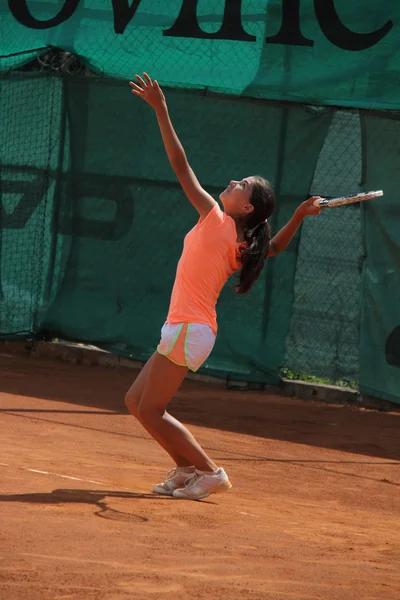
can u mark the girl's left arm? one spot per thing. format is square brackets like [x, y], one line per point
[151, 92]
[282, 239]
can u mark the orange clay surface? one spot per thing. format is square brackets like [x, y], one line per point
[314, 512]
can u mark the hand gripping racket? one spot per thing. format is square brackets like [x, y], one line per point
[332, 202]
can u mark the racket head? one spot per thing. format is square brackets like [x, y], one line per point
[343, 200]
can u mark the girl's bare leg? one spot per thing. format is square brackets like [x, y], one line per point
[157, 383]
[132, 401]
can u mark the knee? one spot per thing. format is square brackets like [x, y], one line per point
[132, 403]
[147, 414]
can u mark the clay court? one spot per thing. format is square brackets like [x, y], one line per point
[314, 512]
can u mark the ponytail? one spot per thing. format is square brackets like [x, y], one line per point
[253, 256]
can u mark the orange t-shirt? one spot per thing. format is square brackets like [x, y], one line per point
[210, 256]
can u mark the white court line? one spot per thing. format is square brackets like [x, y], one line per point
[70, 477]
[36, 471]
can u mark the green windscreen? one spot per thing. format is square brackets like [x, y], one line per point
[92, 217]
[93, 241]
[316, 51]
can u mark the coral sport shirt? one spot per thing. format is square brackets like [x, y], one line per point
[210, 256]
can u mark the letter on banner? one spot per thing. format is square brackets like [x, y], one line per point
[20, 11]
[31, 195]
[342, 37]
[187, 24]
[123, 13]
[101, 188]
[290, 33]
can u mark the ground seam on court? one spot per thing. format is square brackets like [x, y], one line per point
[65, 476]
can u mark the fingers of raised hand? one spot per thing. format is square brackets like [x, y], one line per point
[148, 90]
[148, 80]
[135, 88]
[140, 80]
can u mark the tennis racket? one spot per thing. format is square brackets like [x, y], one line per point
[332, 202]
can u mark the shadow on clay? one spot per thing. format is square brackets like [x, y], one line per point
[92, 497]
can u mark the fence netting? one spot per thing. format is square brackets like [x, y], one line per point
[92, 223]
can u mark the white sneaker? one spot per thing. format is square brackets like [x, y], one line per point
[173, 480]
[203, 484]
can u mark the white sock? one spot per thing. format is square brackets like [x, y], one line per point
[206, 472]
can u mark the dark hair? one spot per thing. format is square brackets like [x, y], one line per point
[257, 234]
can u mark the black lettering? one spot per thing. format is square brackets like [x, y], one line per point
[187, 25]
[342, 37]
[20, 11]
[32, 194]
[289, 33]
[99, 187]
[123, 13]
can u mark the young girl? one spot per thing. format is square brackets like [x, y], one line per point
[221, 243]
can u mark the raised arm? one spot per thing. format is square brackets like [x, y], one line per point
[282, 239]
[151, 92]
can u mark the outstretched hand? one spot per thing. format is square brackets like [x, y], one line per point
[149, 90]
[308, 208]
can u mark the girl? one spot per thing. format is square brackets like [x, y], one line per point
[222, 242]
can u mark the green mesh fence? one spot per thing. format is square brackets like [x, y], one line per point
[109, 217]
[324, 336]
[380, 315]
[92, 222]
[30, 111]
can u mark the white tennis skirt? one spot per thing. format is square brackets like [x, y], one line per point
[186, 344]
